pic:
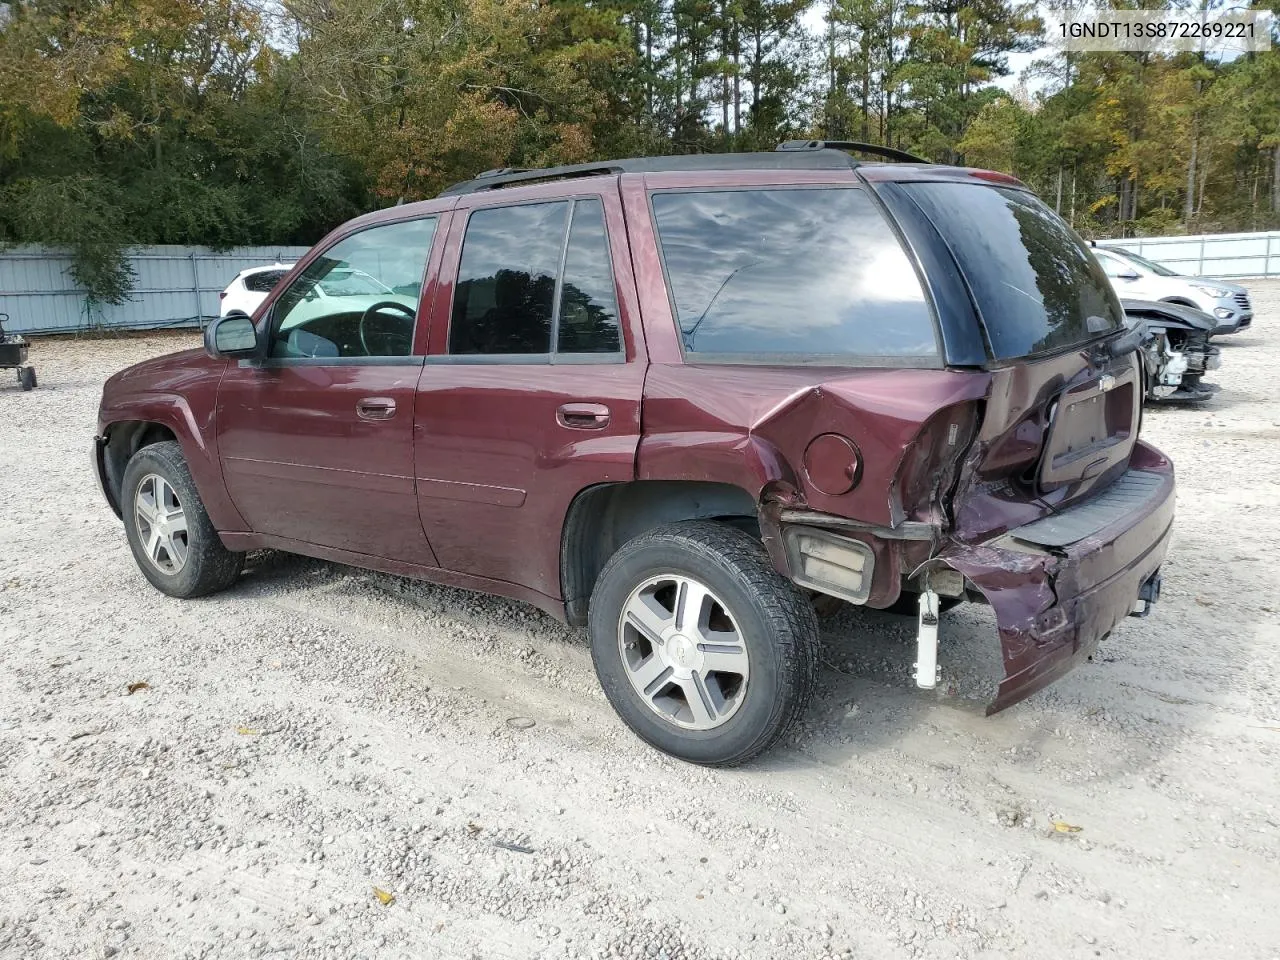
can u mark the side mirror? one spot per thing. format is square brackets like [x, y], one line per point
[231, 336]
[1128, 275]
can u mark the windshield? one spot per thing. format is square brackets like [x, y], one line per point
[791, 275]
[1143, 262]
[350, 283]
[1035, 284]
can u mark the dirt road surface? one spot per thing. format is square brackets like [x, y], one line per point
[319, 732]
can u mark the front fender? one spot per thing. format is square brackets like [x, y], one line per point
[188, 414]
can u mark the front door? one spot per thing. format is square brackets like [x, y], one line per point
[316, 440]
[531, 392]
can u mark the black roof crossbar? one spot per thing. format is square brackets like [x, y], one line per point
[792, 155]
[857, 146]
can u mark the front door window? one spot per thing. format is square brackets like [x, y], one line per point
[357, 299]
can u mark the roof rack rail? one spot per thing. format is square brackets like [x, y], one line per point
[796, 155]
[510, 176]
[499, 172]
[856, 146]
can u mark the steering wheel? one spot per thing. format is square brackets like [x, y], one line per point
[410, 312]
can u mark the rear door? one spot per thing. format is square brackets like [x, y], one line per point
[316, 440]
[532, 385]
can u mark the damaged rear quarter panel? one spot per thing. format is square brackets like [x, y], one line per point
[700, 417]
[750, 425]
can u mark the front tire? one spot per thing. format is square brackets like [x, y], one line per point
[704, 650]
[171, 536]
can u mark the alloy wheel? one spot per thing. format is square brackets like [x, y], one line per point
[162, 524]
[683, 652]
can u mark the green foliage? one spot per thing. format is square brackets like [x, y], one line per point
[81, 213]
[223, 122]
[156, 121]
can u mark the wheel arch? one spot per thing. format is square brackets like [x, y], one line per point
[126, 428]
[120, 441]
[603, 517]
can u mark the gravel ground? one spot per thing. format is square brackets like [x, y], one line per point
[319, 734]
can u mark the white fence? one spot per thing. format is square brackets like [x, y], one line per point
[1221, 255]
[174, 287]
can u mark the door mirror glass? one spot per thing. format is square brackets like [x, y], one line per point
[231, 336]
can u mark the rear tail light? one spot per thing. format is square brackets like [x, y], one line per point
[829, 563]
[222, 295]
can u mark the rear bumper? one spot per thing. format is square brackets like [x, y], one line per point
[1059, 586]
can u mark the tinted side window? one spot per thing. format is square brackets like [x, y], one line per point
[264, 281]
[805, 272]
[505, 297]
[588, 319]
[357, 299]
[1034, 282]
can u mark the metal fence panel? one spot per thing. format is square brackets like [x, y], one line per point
[178, 286]
[1224, 255]
[174, 286]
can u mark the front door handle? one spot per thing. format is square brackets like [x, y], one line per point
[583, 416]
[375, 408]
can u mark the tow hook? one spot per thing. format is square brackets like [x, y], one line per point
[927, 672]
[1148, 594]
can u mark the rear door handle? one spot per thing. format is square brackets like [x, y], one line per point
[583, 416]
[375, 408]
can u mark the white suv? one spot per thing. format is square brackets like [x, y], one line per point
[1137, 278]
[250, 288]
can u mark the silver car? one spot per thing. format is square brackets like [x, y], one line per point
[1137, 278]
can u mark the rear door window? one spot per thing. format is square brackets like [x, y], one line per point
[507, 280]
[778, 275]
[588, 320]
[264, 281]
[1110, 265]
[1036, 286]
[534, 275]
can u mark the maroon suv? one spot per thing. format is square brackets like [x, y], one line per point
[676, 399]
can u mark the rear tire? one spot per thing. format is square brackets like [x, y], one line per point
[171, 536]
[27, 377]
[704, 650]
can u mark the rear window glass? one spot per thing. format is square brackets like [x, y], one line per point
[263, 281]
[806, 273]
[1035, 283]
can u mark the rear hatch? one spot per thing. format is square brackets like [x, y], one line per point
[1062, 415]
